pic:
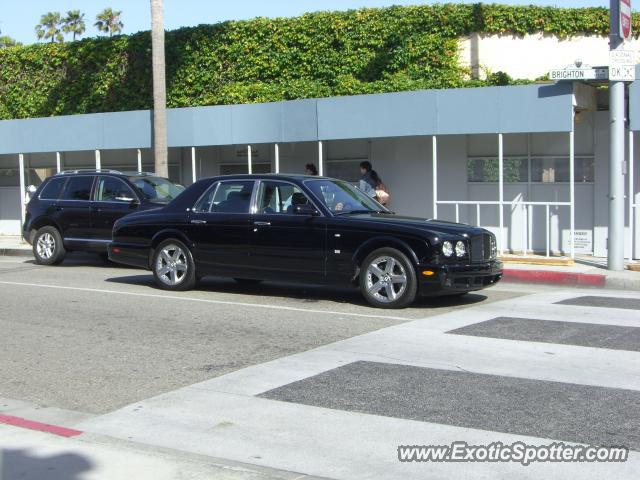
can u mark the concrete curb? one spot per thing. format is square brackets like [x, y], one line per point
[15, 252]
[570, 279]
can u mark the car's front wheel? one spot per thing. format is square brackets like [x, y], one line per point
[47, 246]
[173, 266]
[388, 279]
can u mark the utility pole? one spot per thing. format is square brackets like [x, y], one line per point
[620, 11]
[159, 89]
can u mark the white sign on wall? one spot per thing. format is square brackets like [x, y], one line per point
[622, 65]
[583, 241]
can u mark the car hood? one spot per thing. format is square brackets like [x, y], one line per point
[429, 226]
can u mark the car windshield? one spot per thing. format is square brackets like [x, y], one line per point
[157, 189]
[343, 198]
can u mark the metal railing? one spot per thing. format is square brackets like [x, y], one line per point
[528, 219]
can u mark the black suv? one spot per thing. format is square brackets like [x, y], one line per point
[76, 210]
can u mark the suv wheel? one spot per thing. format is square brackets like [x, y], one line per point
[173, 266]
[388, 279]
[47, 246]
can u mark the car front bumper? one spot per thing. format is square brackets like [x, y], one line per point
[451, 279]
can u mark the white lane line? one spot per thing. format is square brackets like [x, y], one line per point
[204, 300]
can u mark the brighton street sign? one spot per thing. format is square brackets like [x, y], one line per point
[624, 9]
[600, 73]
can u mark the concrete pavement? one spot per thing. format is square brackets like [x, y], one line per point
[310, 380]
[242, 415]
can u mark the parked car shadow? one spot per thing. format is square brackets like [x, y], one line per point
[304, 293]
[19, 464]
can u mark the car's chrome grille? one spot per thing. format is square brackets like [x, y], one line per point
[481, 250]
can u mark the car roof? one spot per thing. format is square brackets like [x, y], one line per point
[104, 172]
[258, 176]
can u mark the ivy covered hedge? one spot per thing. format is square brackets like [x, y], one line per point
[261, 60]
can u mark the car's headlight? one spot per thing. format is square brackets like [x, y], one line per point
[461, 249]
[447, 248]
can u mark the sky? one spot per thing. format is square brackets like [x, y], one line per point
[18, 19]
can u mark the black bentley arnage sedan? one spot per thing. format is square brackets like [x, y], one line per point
[304, 229]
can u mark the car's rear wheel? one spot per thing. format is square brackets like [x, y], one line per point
[173, 266]
[388, 279]
[47, 246]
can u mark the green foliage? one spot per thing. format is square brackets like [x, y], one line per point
[50, 27]
[109, 21]
[261, 60]
[6, 41]
[74, 23]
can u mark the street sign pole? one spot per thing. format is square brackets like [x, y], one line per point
[615, 252]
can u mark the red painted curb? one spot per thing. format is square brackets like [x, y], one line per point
[41, 427]
[554, 278]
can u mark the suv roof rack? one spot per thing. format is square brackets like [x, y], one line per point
[133, 173]
[87, 170]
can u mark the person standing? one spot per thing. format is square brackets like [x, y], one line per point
[371, 183]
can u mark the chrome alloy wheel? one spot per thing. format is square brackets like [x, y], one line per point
[386, 279]
[46, 246]
[171, 265]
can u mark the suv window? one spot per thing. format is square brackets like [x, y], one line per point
[52, 189]
[78, 188]
[111, 189]
[227, 197]
[279, 197]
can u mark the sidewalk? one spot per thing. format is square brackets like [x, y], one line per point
[13, 245]
[34, 455]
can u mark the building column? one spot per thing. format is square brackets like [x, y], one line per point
[98, 162]
[139, 161]
[194, 175]
[572, 193]
[58, 163]
[277, 157]
[249, 160]
[501, 189]
[320, 160]
[23, 192]
[434, 152]
[631, 195]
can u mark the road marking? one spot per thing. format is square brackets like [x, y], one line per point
[41, 427]
[204, 300]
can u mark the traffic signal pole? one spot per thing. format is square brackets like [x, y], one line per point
[615, 251]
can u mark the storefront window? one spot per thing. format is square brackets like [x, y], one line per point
[556, 169]
[487, 170]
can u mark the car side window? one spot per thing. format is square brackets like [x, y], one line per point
[227, 197]
[78, 188]
[111, 189]
[52, 189]
[279, 197]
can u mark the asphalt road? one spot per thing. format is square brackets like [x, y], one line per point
[91, 337]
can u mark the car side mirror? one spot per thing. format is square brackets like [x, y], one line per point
[306, 209]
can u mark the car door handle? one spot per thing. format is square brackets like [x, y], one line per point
[199, 222]
[262, 224]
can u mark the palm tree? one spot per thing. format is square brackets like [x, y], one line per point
[74, 23]
[6, 41]
[109, 21]
[49, 27]
[159, 89]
